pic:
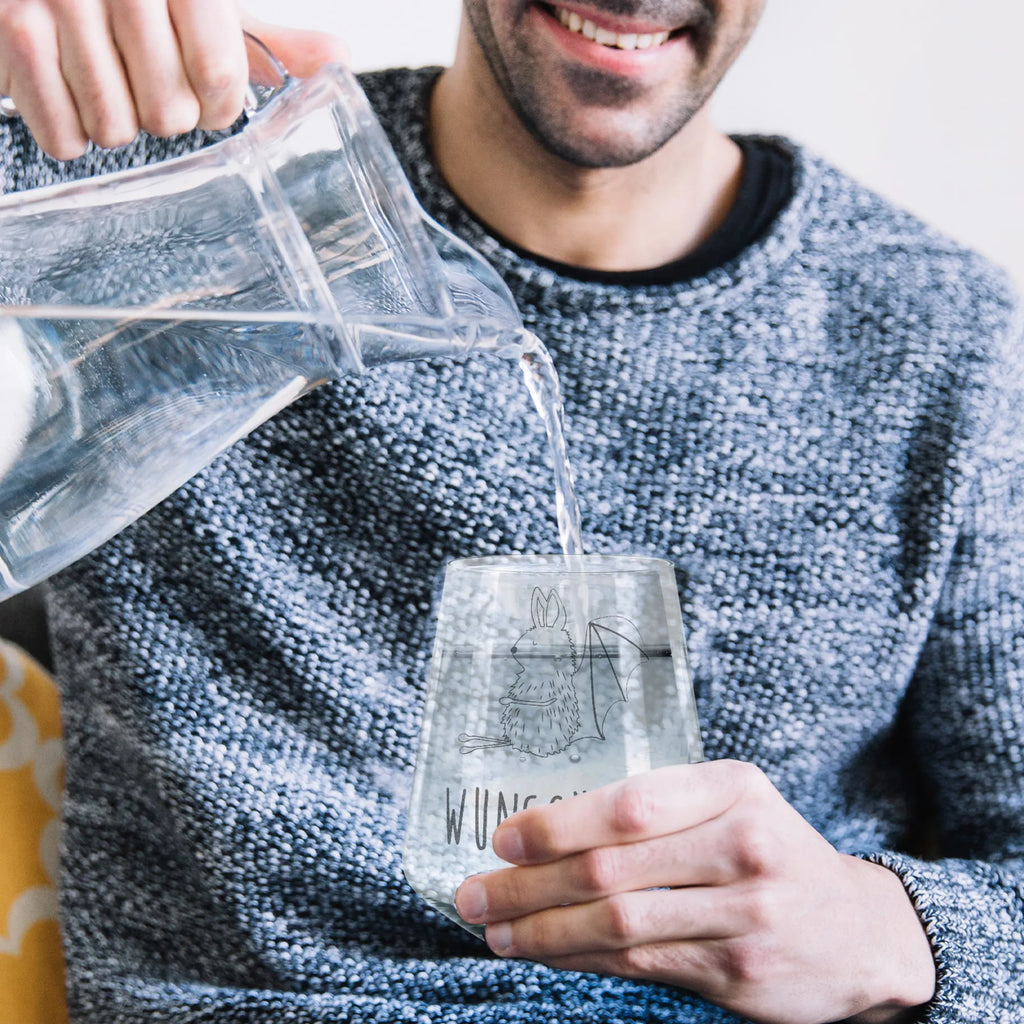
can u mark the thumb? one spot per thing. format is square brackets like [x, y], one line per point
[301, 51]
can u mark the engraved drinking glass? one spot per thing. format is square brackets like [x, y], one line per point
[550, 676]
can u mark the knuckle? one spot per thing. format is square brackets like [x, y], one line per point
[60, 146]
[757, 851]
[132, 21]
[515, 888]
[747, 779]
[538, 933]
[135, 11]
[112, 134]
[746, 964]
[634, 962]
[597, 870]
[216, 80]
[24, 27]
[106, 124]
[219, 118]
[27, 45]
[634, 810]
[169, 119]
[623, 923]
[546, 835]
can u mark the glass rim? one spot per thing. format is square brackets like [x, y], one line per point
[591, 564]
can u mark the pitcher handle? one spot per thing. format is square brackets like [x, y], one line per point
[257, 94]
[265, 65]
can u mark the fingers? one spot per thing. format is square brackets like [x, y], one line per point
[692, 857]
[624, 921]
[95, 77]
[699, 938]
[184, 61]
[99, 70]
[81, 70]
[772, 953]
[30, 73]
[694, 834]
[655, 804]
[213, 58]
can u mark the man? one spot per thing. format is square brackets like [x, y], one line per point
[806, 399]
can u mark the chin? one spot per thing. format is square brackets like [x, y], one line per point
[601, 150]
[602, 135]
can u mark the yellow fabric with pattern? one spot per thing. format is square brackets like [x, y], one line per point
[31, 780]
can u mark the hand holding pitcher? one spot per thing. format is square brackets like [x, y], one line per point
[100, 72]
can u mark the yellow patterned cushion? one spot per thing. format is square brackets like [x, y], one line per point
[31, 777]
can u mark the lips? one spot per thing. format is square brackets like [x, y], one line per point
[606, 35]
[619, 40]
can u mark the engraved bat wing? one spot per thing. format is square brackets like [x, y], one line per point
[613, 651]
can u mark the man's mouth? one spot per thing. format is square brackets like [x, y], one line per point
[605, 37]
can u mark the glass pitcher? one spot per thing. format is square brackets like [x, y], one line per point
[151, 317]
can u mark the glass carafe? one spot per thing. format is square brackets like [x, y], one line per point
[151, 317]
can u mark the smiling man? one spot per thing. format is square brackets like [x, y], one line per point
[598, 153]
[806, 399]
[578, 81]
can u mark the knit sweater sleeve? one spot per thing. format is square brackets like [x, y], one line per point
[966, 712]
[23, 165]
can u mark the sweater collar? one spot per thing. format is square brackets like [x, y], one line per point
[401, 100]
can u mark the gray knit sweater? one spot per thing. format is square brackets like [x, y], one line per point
[825, 435]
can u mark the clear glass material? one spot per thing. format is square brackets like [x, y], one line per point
[150, 318]
[550, 676]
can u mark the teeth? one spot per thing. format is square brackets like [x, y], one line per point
[625, 41]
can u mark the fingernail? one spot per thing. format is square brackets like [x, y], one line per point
[508, 844]
[499, 937]
[471, 901]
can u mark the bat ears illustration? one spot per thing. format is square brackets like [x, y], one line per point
[547, 610]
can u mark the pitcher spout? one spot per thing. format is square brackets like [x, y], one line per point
[477, 290]
[478, 312]
[379, 343]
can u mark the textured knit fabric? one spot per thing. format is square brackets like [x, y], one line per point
[826, 435]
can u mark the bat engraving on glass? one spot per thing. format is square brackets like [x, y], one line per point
[562, 692]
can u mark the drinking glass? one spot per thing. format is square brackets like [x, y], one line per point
[550, 676]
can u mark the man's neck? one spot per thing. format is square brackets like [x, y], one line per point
[621, 218]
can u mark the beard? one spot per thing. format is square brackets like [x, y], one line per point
[592, 118]
[612, 143]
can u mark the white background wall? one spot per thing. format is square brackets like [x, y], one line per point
[919, 98]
